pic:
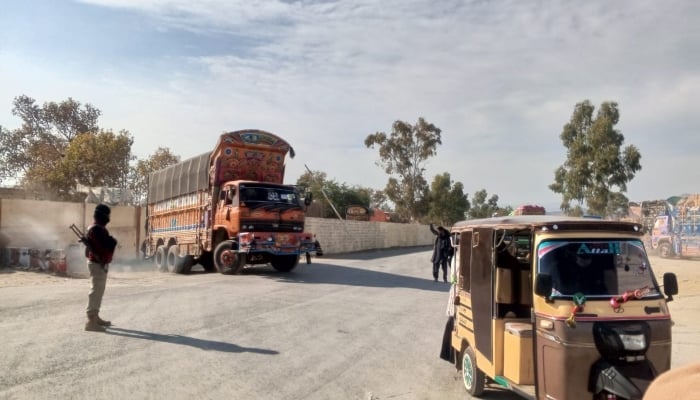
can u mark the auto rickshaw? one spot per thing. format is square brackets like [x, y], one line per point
[556, 307]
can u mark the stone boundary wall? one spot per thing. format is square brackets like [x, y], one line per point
[342, 236]
[39, 224]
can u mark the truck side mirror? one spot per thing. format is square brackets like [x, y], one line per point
[670, 285]
[543, 285]
[309, 198]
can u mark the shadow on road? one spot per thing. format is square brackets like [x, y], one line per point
[379, 253]
[342, 275]
[187, 341]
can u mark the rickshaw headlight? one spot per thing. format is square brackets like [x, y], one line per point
[633, 342]
[621, 342]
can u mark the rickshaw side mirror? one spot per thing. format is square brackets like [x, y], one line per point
[670, 285]
[543, 285]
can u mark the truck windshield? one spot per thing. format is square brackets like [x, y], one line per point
[257, 195]
[596, 268]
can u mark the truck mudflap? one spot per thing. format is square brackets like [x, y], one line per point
[628, 381]
[276, 243]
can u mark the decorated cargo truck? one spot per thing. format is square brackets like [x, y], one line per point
[227, 208]
[676, 226]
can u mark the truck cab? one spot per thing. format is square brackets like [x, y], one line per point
[266, 220]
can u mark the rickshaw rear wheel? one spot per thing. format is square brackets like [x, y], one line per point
[473, 378]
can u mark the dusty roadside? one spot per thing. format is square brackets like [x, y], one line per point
[687, 271]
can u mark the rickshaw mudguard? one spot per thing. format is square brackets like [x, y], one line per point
[628, 381]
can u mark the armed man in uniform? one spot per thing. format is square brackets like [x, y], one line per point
[99, 252]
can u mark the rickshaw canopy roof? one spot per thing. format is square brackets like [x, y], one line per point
[534, 222]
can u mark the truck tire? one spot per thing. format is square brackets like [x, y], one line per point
[665, 250]
[284, 263]
[227, 260]
[161, 258]
[175, 263]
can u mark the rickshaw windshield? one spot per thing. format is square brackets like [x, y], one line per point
[596, 268]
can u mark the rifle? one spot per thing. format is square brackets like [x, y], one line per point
[83, 239]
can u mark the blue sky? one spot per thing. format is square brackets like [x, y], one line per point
[500, 78]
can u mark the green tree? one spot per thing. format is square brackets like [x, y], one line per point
[597, 167]
[447, 201]
[60, 145]
[139, 173]
[378, 199]
[402, 155]
[483, 206]
[618, 206]
[313, 182]
[341, 195]
[94, 159]
[35, 148]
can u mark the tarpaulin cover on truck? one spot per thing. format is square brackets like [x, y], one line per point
[185, 177]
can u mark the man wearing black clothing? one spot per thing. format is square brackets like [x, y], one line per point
[99, 252]
[442, 250]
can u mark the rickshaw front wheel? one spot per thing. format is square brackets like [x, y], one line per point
[472, 376]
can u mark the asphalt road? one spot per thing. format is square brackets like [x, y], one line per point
[365, 326]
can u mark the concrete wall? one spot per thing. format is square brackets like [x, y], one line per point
[338, 236]
[41, 224]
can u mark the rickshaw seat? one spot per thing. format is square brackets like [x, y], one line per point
[513, 291]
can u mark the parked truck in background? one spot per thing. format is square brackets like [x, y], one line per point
[676, 226]
[227, 208]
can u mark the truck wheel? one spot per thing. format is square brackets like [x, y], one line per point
[665, 250]
[175, 262]
[161, 258]
[227, 260]
[284, 263]
[472, 376]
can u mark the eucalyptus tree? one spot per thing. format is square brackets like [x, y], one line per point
[403, 154]
[447, 201]
[597, 167]
[483, 206]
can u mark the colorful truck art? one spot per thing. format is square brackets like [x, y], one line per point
[227, 209]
